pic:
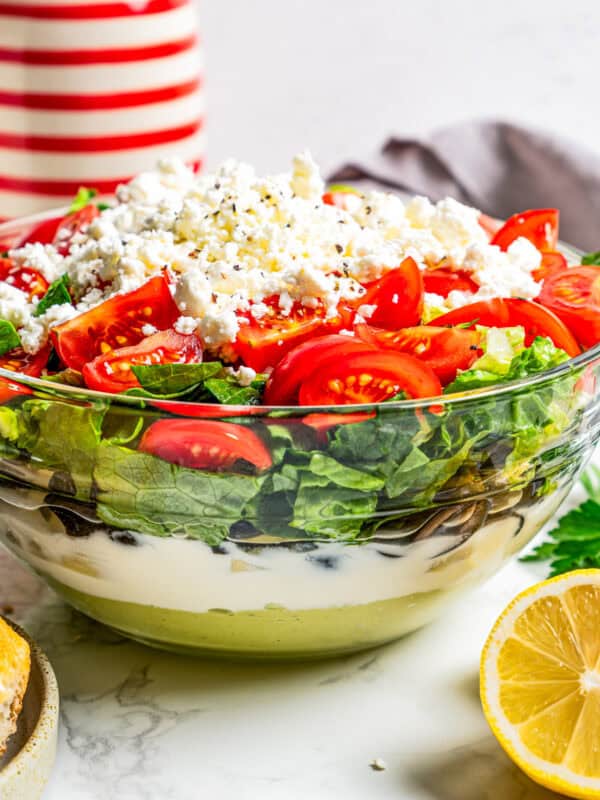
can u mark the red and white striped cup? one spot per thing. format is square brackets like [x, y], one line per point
[91, 93]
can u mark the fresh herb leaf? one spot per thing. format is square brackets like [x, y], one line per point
[229, 392]
[9, 338]
[57, 295]
[591, 259]
[103, 206]
[160, 380]
[83, 198]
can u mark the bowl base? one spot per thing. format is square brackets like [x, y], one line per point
[273, 633]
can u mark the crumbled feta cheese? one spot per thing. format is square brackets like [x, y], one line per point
[186, 325]
[232, 240]
[243, 375]
[149, 330]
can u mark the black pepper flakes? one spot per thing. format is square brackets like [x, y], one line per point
[339, 248]
[236, 267]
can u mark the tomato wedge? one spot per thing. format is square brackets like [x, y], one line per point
[112, 372]
[368, 377]
[72, 224]
[397, 297]
[42, 232]
[264, 342]
[574, 296]
[444, 281]
[205, 444]
[444, 350]
[284, 382]
[323, 423]
[505, 313]
[540, 226]
[552, 262]
[26, 279]
[115, 323]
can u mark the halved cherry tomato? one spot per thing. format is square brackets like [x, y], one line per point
[42, 232]
[505, 313]
[205, 444]
[263, 342]
[397, 297]
[445, 350]
[489, 224]
[574, 296]
[284, 382]
[540, 226]
[444, 281]
[552, 262]
[26, 279]
[72, 224]
[115, 323]
[9, 390]
[18, 360]
[111, 372]
[322, 423]
[368, 377]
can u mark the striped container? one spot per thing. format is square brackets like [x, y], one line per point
[91, 93]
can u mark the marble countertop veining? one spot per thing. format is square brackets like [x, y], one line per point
[138, 724]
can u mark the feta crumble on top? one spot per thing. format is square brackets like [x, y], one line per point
[232, 239]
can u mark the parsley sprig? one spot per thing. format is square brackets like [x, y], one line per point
[575, 541]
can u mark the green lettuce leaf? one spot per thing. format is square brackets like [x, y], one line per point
[143, 493]
[9, 338]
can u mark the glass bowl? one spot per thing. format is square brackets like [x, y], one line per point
[363, 530]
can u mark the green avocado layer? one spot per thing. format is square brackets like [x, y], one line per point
[269, 633]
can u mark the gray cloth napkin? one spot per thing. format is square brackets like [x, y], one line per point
[498, 167]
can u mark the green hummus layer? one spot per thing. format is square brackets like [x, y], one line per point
[270, 633]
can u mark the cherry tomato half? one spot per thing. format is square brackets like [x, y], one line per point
[264, 342]
[397, 297]
[444, 281]
[112, 372]
[574, 296]
[284, 382]
[368, 377]
[205, 444]
[18, 360]
[72, 224]
[9, 390]
[445, 350]
[26, 279]
[505, 313]
[115, 323]
[540, 226]
[552, 262]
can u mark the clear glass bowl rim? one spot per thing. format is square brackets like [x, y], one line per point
[66, 392]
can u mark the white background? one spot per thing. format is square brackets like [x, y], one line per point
[339, 76]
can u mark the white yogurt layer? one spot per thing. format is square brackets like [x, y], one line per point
[186, 575]
[232, 239]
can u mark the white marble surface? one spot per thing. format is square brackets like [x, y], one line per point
[138, 724]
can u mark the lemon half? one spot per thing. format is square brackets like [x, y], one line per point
[540, 683]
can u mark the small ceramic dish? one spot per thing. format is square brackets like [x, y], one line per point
[26, 765]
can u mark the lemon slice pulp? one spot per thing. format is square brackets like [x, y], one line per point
[540, 683]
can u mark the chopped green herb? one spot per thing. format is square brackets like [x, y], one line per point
[174, 379]
[592, 259]
[9, 338]
[83, 198]
[57, 295]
